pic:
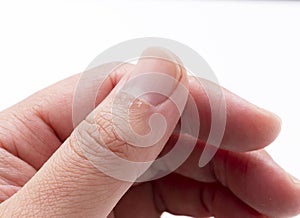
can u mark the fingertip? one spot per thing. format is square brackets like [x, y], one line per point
[295, 195]
[259, 181]
[248, 126]
[272, 125]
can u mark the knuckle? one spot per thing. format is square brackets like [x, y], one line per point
[114, 127]
[97, 136]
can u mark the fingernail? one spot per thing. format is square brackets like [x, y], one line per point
[275, 116]
[279, 120]
[155, 76]
[295, 180]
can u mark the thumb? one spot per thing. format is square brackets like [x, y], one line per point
[111, 148]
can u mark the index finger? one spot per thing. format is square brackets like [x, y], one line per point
[47, 119]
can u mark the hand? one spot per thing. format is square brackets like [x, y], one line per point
[45, 173]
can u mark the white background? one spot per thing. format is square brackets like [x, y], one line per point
[253, 47]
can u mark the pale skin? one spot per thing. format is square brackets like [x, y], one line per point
[241, 180]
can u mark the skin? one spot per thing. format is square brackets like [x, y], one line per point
[43, 171]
